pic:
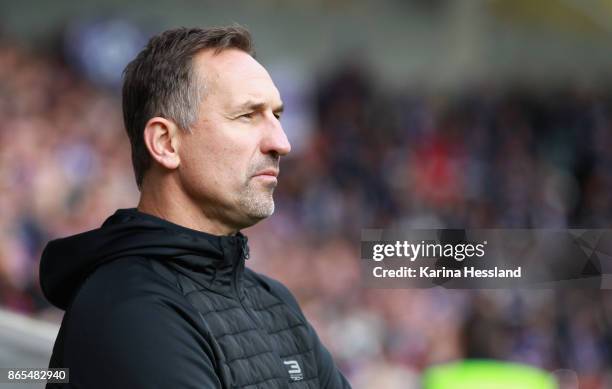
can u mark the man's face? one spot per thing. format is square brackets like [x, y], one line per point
[230, 160]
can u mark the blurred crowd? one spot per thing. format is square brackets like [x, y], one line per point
[486, 157]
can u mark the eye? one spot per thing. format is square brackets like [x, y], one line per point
[277, 115]
[248, 115]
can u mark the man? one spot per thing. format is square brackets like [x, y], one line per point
[159, 296]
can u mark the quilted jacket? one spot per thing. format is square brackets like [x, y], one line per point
[150, 304]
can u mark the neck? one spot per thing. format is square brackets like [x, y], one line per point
[165, 200]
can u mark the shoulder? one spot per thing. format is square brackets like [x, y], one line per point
[129, 327]
[126, 305]
[125, 292]
[123, 280]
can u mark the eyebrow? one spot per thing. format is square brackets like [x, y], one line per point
[258, 106]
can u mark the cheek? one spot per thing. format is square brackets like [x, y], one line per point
[217, 169]
[233, 161]
[198, 170]
[234, 168]
[220, 161]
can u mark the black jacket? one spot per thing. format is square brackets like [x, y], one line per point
[150, 304]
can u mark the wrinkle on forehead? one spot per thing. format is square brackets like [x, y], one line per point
[233, 74]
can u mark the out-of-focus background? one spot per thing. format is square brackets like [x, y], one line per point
[415, 113]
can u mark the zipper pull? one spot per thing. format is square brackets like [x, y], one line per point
[245, 248]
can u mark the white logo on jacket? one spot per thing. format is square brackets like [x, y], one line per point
[295, 371]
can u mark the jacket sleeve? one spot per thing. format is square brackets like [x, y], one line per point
[137, 344]
[330, 375]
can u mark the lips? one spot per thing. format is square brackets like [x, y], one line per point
[267, 172]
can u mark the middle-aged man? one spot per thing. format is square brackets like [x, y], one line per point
[159, 296]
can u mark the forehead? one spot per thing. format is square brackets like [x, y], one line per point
[233, 76]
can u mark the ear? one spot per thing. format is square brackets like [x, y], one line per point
[162, 140]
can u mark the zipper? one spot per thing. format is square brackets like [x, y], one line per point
[245, 248]
[243, 254]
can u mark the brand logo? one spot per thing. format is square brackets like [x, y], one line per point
[295, 371]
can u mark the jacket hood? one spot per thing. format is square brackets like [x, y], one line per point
[66, 262]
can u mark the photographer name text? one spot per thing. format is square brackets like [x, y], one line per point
[443, 272]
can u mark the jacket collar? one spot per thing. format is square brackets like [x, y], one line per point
[214, 262]
[210, 261]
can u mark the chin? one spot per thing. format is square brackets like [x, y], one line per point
[264, 212]
[257, 209]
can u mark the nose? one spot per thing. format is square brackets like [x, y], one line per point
[275, 140]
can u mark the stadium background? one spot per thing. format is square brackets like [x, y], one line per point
[430, 113]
